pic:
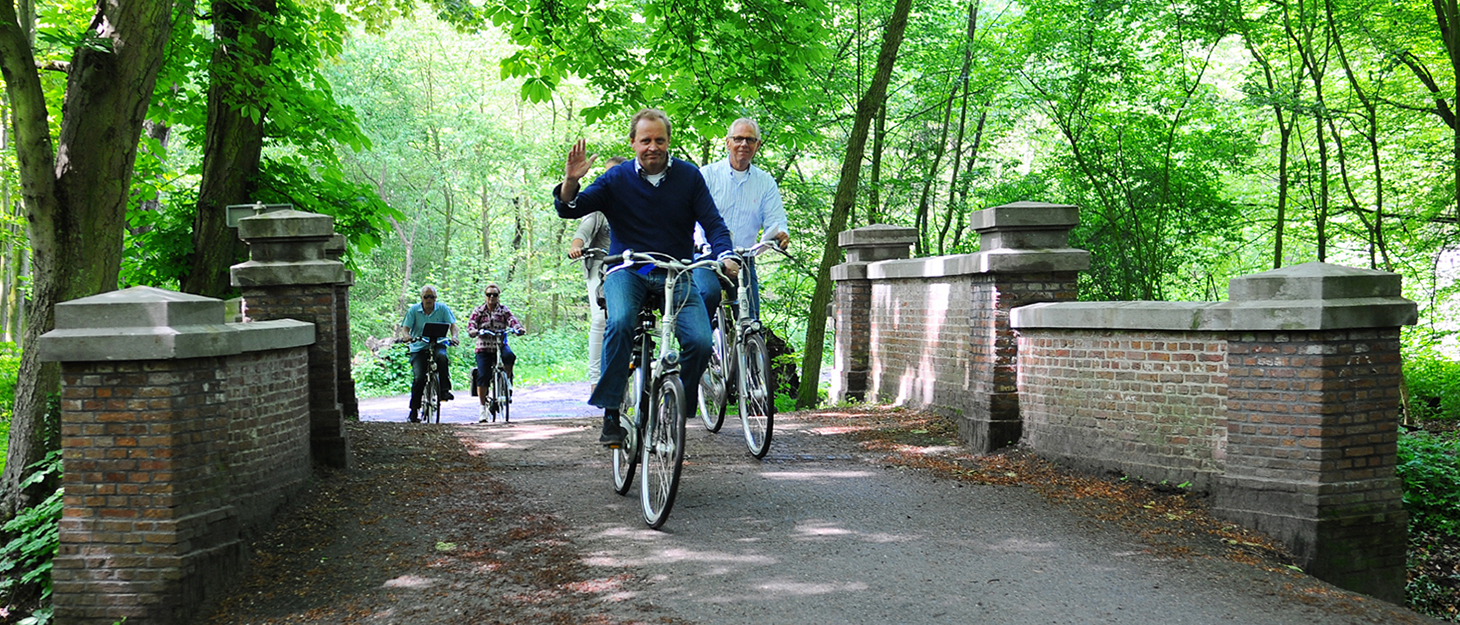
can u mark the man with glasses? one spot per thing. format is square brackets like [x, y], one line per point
[492, 315]
[748, 198]
[413, 326]
[652, 205]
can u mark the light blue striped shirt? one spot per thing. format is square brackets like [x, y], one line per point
[749, 201]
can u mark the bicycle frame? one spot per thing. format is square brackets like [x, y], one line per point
[658, 436]
[497, 393]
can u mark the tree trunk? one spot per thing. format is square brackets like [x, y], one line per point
[879, 137]
[235, 138]
[76, 205]
[486, 222]
[962, 127]
[846, 195]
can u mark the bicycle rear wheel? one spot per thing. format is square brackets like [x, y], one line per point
[757, 402]
[715, 383]
[626, 456]
[431, 398]
[504, 396]
[662, 450]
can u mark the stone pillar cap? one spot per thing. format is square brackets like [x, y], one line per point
[1318, 296]
[878, 235]
[1314, 280]
[146, 323]
[286, 224]
[1026, 215]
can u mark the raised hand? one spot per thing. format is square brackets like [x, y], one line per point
[578, 161]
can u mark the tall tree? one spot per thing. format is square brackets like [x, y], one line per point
[76, 187]
[846, 196]
[243, 51]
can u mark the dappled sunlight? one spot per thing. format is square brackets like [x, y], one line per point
[1020, 545]
[816, 475]
[410, 581]
[841, 429]
[818, 529]
[787, 587]
[519, 437]
[719, 562]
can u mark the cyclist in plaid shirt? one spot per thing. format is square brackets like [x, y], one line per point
[493, 316]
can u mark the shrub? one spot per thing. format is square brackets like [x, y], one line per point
[25, 562]
[1434, 385]
[1430, 476]
[553, 355]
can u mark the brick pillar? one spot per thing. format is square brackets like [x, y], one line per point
[852, 304]
[149, 530]
[289, 275]
[1313, 384]
[349, 404]
[1024, 258]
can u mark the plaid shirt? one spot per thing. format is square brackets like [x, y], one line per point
[497, 320]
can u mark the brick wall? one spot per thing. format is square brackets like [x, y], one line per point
[1151, 404]
[268, 451]
[311, 303]
[1312, 437]
[945, 344]
[168, 465]
[852, 355]
[921, 343]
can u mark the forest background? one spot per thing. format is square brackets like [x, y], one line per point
[1201, 141]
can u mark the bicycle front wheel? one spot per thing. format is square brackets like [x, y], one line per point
[431, 398]
[757, 402]
[627, 454]
[662, 450]
[715, 383]
[504, 396]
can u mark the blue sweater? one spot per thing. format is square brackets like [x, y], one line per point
[646, 218]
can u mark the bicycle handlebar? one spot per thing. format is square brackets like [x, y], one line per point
[663, 261]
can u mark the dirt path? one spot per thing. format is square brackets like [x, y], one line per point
[825, 530]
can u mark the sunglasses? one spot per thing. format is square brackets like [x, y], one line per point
[493, 294]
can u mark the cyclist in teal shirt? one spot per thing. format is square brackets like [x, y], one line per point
[414, 324]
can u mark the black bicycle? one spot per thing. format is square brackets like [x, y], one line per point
[434, 336]
[495, 385]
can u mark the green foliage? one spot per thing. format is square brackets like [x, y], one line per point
[1434, 385]
[551, 356]
[389, 374]
[9, 369]
[25, 562]
[1430, 474]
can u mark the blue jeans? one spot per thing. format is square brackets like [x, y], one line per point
[624, 292]
[487, 361]
[419, 367]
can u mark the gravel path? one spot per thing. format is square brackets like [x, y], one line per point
[820, 532]
[466, 524]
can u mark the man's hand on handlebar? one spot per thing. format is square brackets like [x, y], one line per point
[731, 267]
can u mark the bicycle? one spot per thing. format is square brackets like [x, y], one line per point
[431, 394]
[652, 411]
[498, 389]
[740, 357]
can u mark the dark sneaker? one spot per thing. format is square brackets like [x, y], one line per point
[447, 396]
[414, 418]
[613, 435]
